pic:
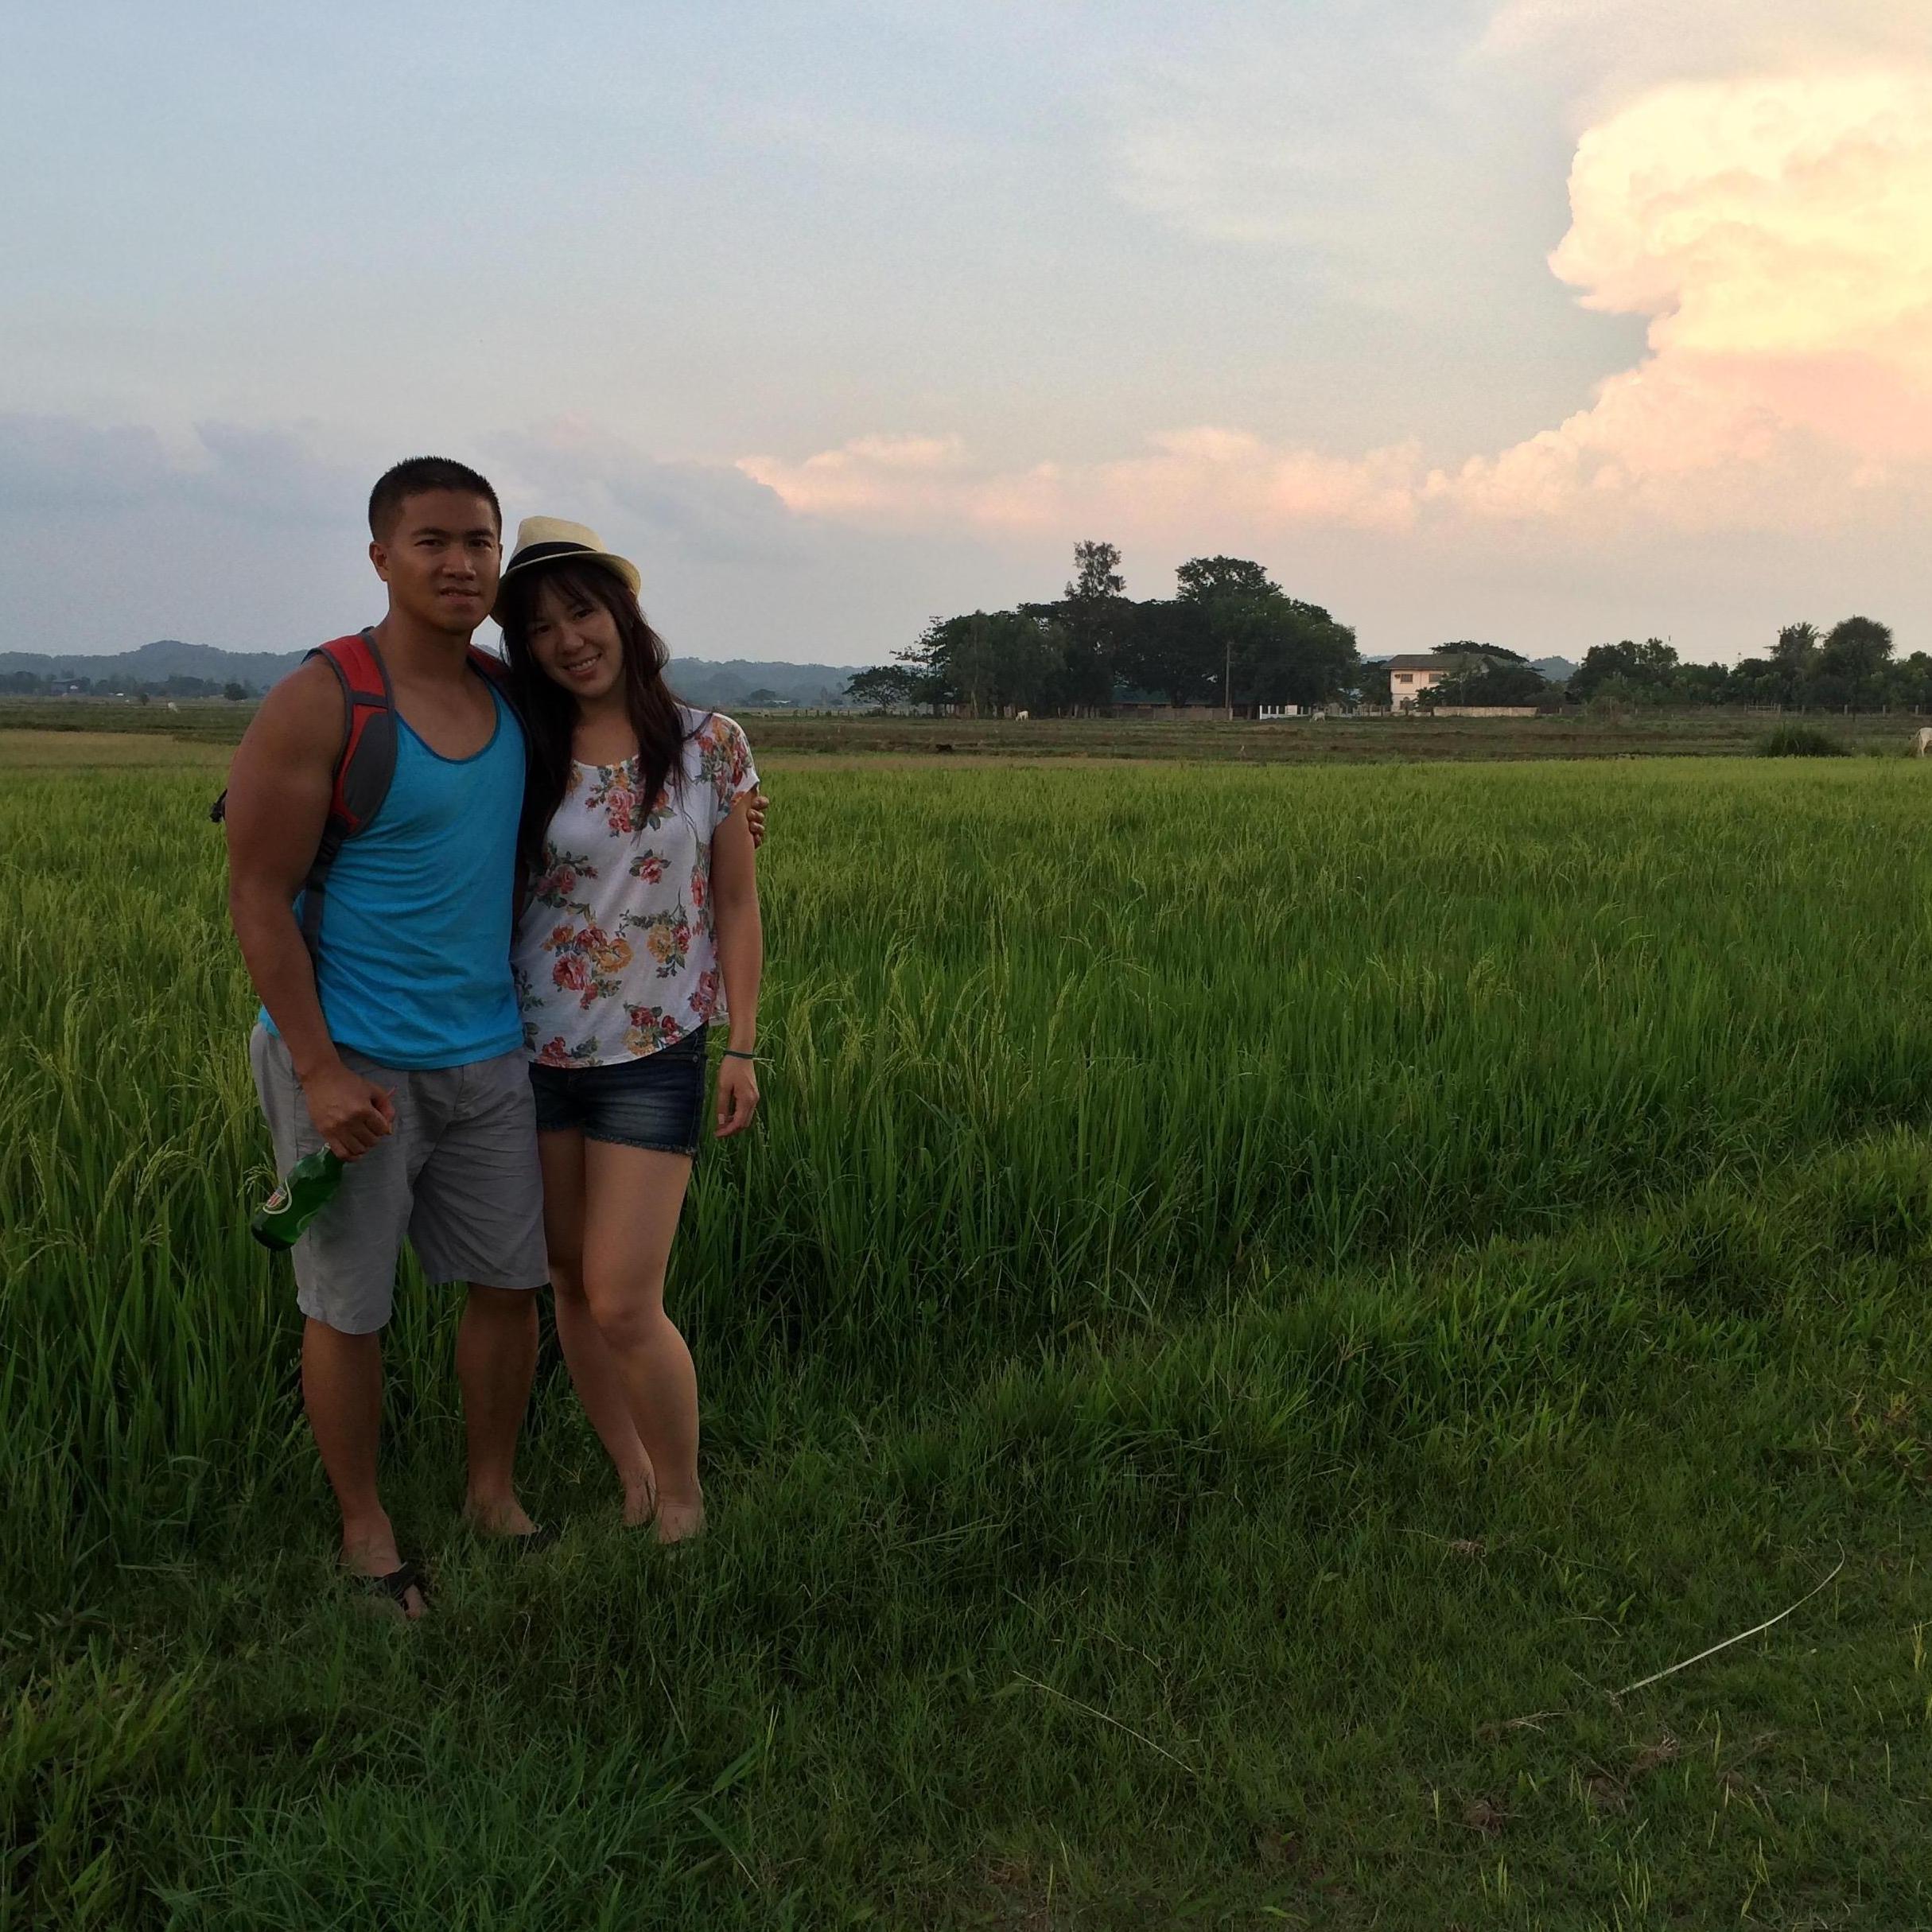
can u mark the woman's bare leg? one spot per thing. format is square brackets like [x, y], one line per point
[594, 1375]
[631, 1200]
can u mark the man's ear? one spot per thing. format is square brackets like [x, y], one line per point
[378, 560]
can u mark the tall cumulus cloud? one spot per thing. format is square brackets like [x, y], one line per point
[1775, 231]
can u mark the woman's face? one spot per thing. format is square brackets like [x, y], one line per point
[574, 640]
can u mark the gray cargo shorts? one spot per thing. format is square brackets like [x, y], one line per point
[459, 1177]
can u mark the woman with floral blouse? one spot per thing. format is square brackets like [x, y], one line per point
[639, 932]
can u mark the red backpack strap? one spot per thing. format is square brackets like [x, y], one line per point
[367, 763]
[365, 768]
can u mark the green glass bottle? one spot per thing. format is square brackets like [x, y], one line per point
[304, 1192]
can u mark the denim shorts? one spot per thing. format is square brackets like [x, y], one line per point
[656, 1102]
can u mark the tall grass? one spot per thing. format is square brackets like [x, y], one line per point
[1306, 1264]
[1042, 1044]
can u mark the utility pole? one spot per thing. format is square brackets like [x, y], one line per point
[1227, 680]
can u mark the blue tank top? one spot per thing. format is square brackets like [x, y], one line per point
[415, 965]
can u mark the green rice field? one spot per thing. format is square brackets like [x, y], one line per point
[1263, 1305]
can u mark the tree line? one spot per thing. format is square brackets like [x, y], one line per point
[1229, 627]
[1231, 635]
[1849, 667]
[38, 684]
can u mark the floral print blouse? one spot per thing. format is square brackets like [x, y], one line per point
[615, 956]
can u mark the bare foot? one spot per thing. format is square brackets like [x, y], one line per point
[678, 1522]
[640, 1503]
[498, 1516]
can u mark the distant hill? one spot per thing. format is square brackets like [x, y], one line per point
[167, 657]
[810, 686]
[697, 680]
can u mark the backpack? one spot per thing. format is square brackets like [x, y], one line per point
[367, 763]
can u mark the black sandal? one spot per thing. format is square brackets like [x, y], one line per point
[396, 1586]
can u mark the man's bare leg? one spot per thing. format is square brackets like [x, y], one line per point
[342, 1392]
[496, 1361]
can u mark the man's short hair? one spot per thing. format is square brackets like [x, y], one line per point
[414, 478]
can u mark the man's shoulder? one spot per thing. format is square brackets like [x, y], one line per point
[322, 665]
[309, 695]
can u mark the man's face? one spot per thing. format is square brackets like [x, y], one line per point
[442, 560]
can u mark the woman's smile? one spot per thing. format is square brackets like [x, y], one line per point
[577, 644]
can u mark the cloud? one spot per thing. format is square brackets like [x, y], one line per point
[1775, 232]
[1779, 234]
[252, 537]
[711, 513]
[56, 466]
[1217, 478]
[880, 478]
[246, 537]
[729, 570]
[1616, 48]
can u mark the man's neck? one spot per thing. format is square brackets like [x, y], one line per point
[413, 650]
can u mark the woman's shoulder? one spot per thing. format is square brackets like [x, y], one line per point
[710, 727]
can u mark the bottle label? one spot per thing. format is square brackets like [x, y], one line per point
[276, 1201]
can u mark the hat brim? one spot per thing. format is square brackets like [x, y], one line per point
[538, 555]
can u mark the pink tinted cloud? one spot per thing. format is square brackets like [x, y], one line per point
[1182, 476]
[1776, 230]
[1778, 234]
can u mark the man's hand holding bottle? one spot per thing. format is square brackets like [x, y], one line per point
[350, 1112]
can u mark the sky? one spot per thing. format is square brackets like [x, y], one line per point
[1542, 322]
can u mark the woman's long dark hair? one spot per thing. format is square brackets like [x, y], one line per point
[550, 712]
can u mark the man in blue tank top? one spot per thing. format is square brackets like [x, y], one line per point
[398, 1043]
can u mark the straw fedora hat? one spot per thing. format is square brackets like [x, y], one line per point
[549, 540]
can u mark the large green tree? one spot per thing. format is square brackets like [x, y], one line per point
[1096, 573]
[1272, 649]
[1796, 650]
[1286, 652]
[1202, 580]
[1467, 647]
[994, 661]
[1489, 681]
[1087, 625]
[1857, 649]
[883, 686]
[1167, 647]
[1073, 653]
[1639, 674]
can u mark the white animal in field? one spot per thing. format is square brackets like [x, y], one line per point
[1925, 740]
[172, 705]
[1024, 715]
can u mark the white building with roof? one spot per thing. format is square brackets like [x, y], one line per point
[1413, 672]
